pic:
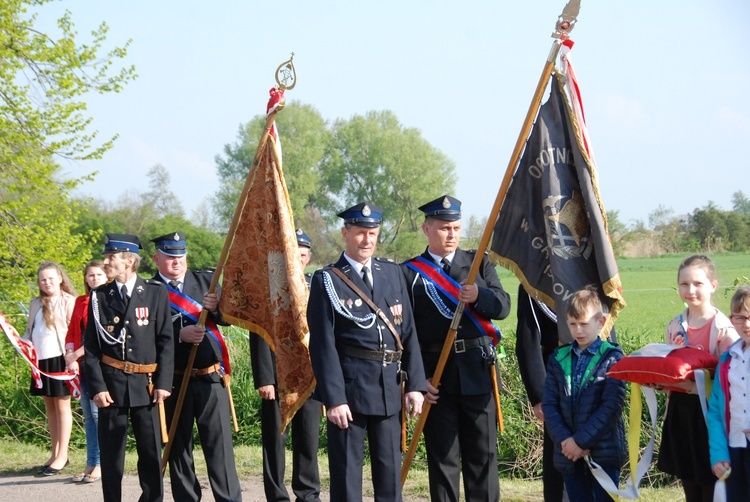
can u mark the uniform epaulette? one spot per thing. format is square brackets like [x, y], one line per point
[153, 282]
[474, 251]
[384, 260]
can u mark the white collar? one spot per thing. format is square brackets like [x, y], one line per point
[130, 284]
[439, 259]
[181, 280]
[357, 265]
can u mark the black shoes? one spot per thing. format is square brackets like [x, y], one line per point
[46, 470]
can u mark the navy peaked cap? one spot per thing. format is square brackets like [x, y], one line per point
[118, 243]
[303, 239]
[172, 244]
[363, 214]
[444, 207]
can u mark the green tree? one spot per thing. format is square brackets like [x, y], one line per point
[740, 203]
[709, 227]
[43, 79]
[159, 197]
[618, 231]
[660, 217]
[738, 231]
[668, 228]
[374, 158]
[304, 138]
[471, 231]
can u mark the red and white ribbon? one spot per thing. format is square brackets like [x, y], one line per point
[26, 349]
[575, 95]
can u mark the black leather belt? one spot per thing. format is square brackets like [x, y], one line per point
[382, 356]
[459, 345]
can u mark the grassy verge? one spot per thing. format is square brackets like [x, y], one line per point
[18, 459]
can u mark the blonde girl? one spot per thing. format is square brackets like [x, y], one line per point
[49, 316]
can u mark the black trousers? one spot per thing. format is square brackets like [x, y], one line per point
[552, 480]
[207, 404]
[305, 437]
[113, 429]
[460, 435]
[346, 452]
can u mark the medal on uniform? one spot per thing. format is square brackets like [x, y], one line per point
[141, 313]
[397, 312]
[349, 303]
[358, 302]
[116, 320]
[110, 328]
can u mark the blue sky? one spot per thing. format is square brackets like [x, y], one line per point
[663, 84]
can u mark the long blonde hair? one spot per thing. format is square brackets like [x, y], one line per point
[65, 285]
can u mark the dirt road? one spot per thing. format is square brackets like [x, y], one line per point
[45, 489]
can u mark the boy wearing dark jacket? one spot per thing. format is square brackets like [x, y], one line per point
[582, 407]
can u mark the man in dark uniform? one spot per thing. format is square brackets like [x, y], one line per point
[129, 363]
[305, 423]
[461, 429]
[206, 400]
[358, 360]
[536, 340]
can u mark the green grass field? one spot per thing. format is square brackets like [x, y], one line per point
[650, 290]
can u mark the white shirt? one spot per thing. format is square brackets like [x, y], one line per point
[439, 259]
[130, 284]
[45, 340]
[739, 399]
[358, 267]
[181, 280]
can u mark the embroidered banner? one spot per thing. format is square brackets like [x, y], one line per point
[263, 284]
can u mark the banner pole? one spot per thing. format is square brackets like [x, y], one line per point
[564, 24]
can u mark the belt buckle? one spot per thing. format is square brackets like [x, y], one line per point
[459, 346]
[128, 367]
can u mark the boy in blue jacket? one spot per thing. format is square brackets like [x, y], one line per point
[582, 406]
[728, 418]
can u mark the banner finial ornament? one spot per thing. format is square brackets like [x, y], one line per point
[567, 20]
[286, 75]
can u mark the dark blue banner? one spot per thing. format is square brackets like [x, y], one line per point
[551, 230]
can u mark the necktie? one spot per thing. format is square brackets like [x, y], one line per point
[366, 279]
[125, 296]
[446, 266]
[175, 284]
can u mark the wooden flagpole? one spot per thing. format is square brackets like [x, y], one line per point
[281, 73]
[564, 25]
